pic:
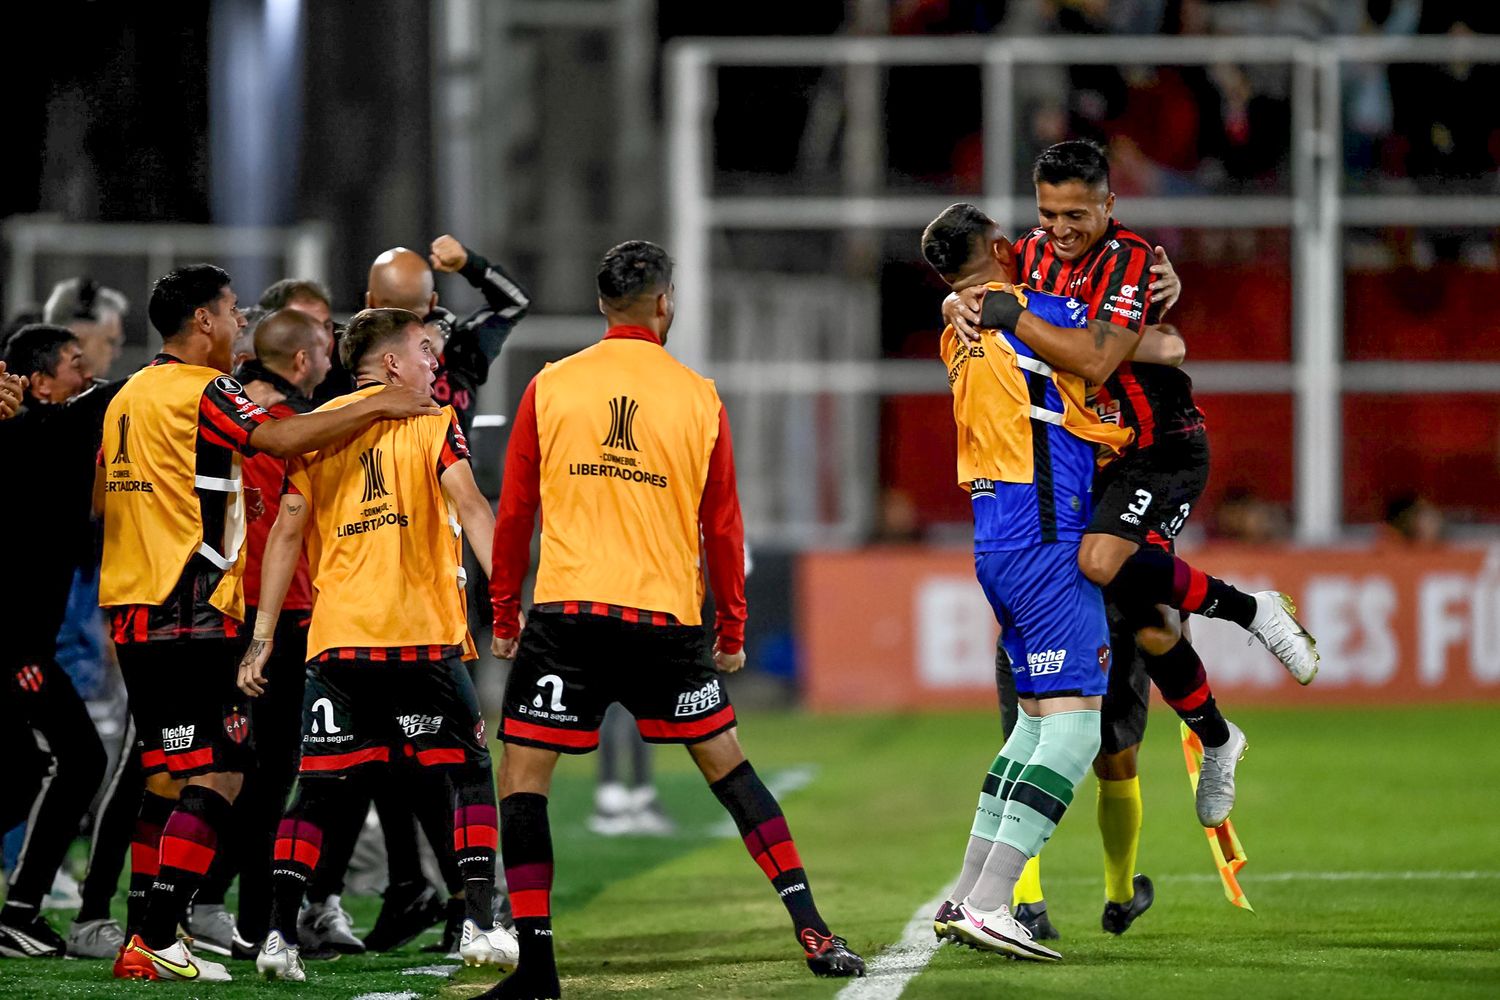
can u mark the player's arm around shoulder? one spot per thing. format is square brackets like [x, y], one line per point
[1161, 344]
[474, 511]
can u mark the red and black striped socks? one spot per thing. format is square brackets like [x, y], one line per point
[760, 821]
[1152, 577]
[475, 840]
[526, 844]
[189, 841]
[1179, 675]
[145, 857]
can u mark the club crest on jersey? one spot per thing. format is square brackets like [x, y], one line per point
[1046, 662]
[237, 727]
[621, 435]
[701, 700]
[1104, 656]
[175, 739]
[419, 725]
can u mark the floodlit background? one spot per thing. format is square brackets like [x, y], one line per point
[1322, 173]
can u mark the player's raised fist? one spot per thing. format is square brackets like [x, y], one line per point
[448, 255]
[397, 401]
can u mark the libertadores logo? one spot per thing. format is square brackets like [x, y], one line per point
[374, 475]
[622, 424]
[122, 452]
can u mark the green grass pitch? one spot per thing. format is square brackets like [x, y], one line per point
[1374, 867]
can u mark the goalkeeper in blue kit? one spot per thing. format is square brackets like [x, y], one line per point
[1028, 446]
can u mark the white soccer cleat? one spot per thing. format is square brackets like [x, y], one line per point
[279, 960]
[999, 932]
[136, 961]
[1278, 629]
[1216, 778]
[496, 946]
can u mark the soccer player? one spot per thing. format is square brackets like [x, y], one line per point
[1026, 453]
[627, 454]
[389, 634]
[1143, 500]
[170, 488]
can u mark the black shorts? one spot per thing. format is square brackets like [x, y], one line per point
[571, 668]
[357, 712]
[190, 717]
[1122, 715]
[1146, 496]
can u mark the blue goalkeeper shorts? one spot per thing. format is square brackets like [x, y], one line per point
[1051, 620]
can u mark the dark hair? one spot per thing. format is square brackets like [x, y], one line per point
[1401, 506]
[370, 329]
[288, 290]
[948, 241]
[36, 348]
[178, 294]
[632, 269]
[1074, 160]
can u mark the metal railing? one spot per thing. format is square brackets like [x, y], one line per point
[1317, 210]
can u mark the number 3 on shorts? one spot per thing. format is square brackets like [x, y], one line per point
[1142, 501]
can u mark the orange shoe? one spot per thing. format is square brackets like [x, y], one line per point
[136, 961]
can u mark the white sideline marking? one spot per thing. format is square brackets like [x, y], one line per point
[1250, 877]
[431, 970]
[404, 995]
[888, 973]
[780, 783]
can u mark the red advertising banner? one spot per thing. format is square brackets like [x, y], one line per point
[891, 628]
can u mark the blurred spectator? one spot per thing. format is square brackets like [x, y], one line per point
[1244, 517]
[96, 315]
[1412, 520]
[243, 348]
[898, 521]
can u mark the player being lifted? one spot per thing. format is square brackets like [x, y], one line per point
[170, 489]
[628, 456]
[1026, 453]
[389, 632]
[1142, 501]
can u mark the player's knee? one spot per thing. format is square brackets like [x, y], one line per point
[1158, 640]
[1098, 564]
[718, 756]
[1119, 766]
[163, 785]
[226, 783]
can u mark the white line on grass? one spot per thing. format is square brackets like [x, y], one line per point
[888, 973]
[404, 995]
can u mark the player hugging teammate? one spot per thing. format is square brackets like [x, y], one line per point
[1096, 332]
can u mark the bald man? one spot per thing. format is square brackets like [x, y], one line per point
[403, 279]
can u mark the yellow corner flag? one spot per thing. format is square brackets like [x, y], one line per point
[1229, 856]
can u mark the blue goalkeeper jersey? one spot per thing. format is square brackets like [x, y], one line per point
[1057, 504]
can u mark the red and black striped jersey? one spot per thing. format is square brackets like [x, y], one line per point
[226, 419]
[1114, 278]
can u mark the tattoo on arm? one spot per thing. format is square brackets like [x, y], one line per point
[294, 508]
[1102, 332]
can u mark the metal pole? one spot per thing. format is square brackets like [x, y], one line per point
[688, 90]
[999, 91]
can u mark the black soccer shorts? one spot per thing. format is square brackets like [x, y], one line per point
[571, 668]
[190, 717]
[1146, 496]
[357, 712]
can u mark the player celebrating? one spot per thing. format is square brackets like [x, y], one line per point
[385, 506]
[173, 509]
[1026, 447]
[1143, 499]
[627, 453]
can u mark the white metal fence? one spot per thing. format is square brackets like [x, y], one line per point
[1316, 211]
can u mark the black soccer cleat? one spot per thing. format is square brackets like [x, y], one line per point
[946, 912]
[453, 928]
[30, 938]
[408, 909]
[1033, 917]
[1119, 916]
[829, 955]
[519, 986]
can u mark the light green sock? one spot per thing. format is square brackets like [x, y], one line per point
[1036, 802]
[997, 783]
[1044, 789]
